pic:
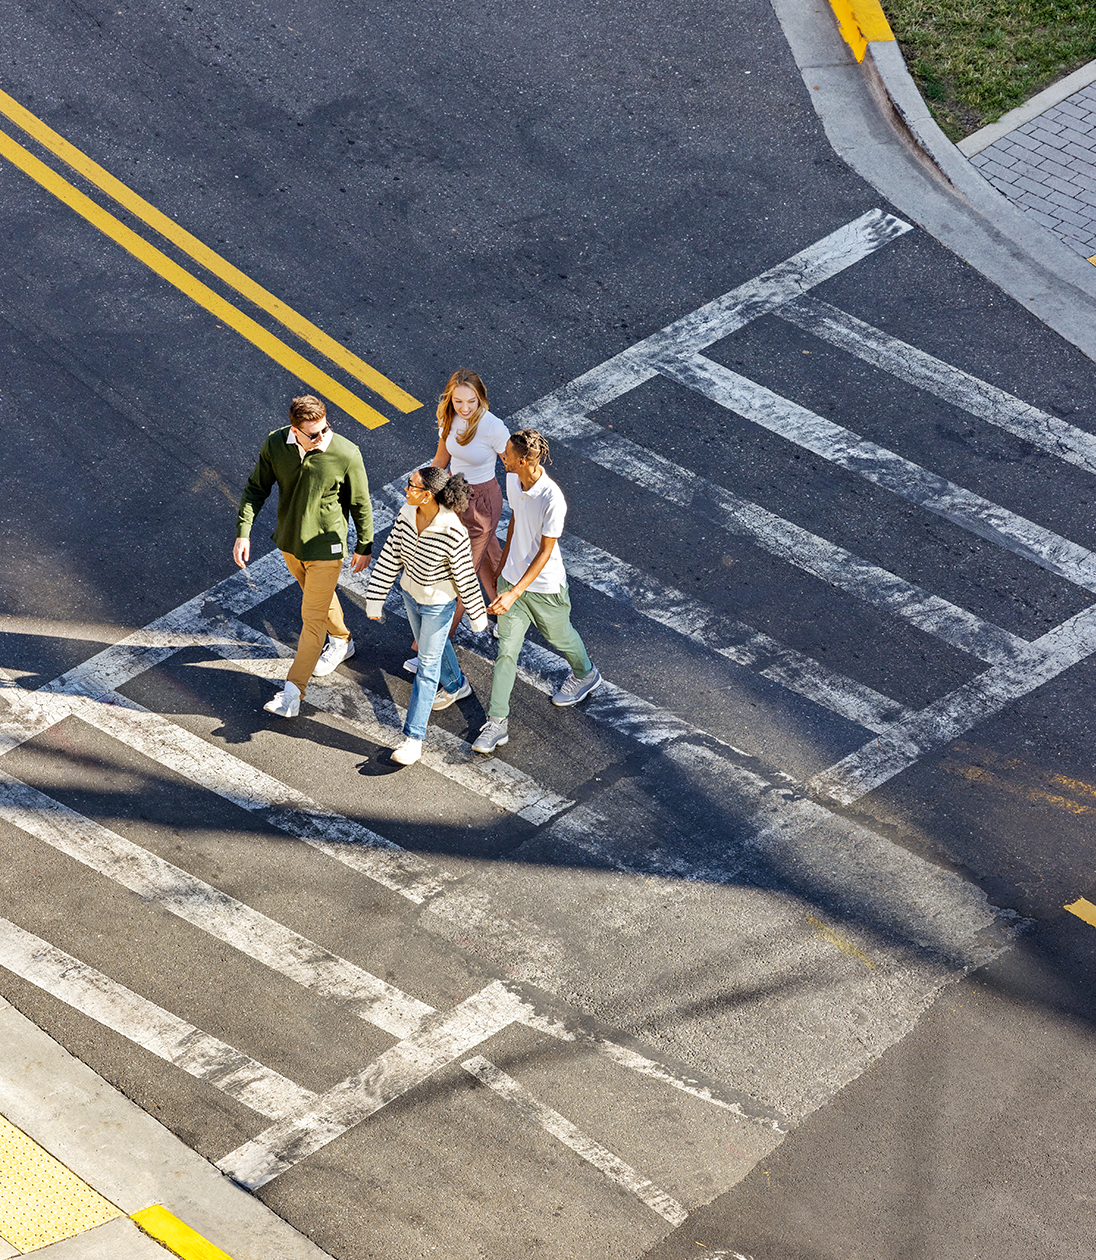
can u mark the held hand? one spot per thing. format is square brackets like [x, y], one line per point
[503, 603]
[359, 563]
[241, 551]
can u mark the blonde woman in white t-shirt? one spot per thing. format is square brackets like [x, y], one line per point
[470, 440]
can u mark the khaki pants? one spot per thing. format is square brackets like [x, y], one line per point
[321, 613]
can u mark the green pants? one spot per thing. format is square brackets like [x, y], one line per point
[551, 614]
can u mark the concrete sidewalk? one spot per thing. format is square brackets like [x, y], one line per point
[79, 1161]
[876, 120]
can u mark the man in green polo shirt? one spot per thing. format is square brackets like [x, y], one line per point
[321, 482]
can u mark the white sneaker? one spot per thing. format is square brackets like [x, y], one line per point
[335, 651]
[407, 753]
[446, 698]
[412, 665]
[286, 703]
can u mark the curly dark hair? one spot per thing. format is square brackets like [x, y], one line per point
[449, 492]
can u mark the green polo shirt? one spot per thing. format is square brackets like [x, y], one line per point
[316, 496]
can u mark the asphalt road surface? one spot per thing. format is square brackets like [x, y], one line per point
[761, 951]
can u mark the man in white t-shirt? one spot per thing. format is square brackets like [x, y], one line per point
[532, 585]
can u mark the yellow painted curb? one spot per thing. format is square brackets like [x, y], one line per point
[1083, 910]
[862, 22]
[173, 1234]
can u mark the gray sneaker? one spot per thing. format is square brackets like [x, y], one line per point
[575, 689]
[491, 736]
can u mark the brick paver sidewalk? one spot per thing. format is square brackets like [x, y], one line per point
[1047, 166]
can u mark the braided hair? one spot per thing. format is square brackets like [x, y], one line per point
[449, 492]
[531, 445]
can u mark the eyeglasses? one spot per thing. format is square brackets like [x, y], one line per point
[313, 437]
[417, 489]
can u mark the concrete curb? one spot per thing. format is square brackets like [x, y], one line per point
[887, 60]
[1042, 246]
[877, 121]
[131, 1160]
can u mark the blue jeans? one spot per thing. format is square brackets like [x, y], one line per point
[437, 660]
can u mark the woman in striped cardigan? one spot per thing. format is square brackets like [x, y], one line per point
[430, 544]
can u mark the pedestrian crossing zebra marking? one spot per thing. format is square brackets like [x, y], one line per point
[429, 1040]
[567, 1133]
[158, 1031]
[977, 397]
[887, 469]
[1017, 665]
[893, 888]
[201, 763]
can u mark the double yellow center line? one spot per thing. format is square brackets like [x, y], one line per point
[201, 293]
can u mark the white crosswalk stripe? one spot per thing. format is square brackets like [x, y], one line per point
[559, 1127]
[158, 1031]
[906, 363]
[834, 565]
[1018, 666]
[282, 807]
[952, 715]
[209, 909]
[255, 936]
[728, 637]
[184, 753]
[401, 1068]
[380, 719]
[763, 295]
[884, 468]
[935, 925]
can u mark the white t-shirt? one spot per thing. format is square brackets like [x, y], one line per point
[539, 512]
[477, 459]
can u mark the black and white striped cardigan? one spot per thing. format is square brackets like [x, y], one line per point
[441, 553]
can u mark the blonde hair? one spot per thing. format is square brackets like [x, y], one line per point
[446, 412]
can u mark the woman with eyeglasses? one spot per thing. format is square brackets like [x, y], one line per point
[470, 439]
[429, 543]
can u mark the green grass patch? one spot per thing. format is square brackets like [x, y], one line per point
[974, 60]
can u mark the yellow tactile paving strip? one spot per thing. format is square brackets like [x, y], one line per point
[41, 1202]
